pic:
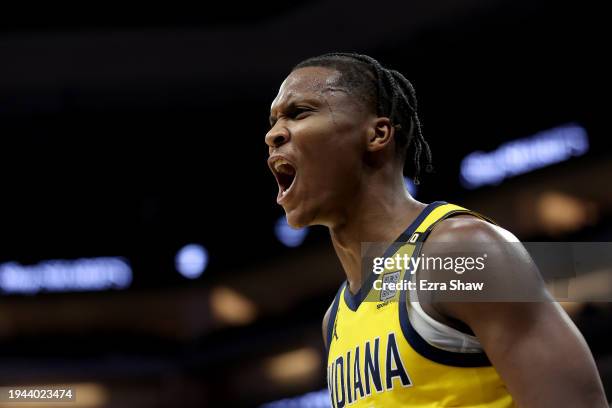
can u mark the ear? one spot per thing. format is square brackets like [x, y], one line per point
[380, 134]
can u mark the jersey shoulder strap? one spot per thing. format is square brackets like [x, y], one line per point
[439, 214]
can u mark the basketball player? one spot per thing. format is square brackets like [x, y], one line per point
[340, 128]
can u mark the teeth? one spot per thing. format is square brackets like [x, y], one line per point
[278, 163]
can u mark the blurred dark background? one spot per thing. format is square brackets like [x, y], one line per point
[130, 132]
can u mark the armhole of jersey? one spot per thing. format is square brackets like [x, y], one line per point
[439, 334]
[332, 317]
[471, 357]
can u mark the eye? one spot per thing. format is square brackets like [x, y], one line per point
[300, 112]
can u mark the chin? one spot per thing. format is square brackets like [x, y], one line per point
[298, 218]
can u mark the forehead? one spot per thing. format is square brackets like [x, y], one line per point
[311, 82]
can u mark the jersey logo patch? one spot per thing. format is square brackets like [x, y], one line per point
[392, 277]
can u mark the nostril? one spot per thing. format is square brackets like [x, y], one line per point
[279, 140]
[277, 137]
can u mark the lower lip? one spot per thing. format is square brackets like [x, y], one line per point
[281, 198]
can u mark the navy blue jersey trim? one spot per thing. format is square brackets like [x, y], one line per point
[353, 301]
[331, 323]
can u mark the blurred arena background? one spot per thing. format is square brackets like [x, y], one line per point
[143, 259]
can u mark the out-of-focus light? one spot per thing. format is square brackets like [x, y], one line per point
[191, 260]
[560, 213]
[230, 307]
[85, 274]
[287, 235]
[91, 395]
[523, 155]
[315, 399]
[294, 367]
[412, 189]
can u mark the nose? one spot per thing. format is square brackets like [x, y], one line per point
[277, 136]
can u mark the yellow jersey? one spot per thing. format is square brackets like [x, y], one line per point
[383, 352]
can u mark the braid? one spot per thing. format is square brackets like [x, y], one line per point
[388, 92]
[409, 96]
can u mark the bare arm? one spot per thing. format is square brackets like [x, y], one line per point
[534, 346]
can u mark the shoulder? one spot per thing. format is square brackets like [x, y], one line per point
[509, 273]
[469, 235]
[330, 315]
[464, 227]
[325, 324]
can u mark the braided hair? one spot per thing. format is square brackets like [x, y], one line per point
[385, 91]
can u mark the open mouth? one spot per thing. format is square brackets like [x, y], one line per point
[285, 175]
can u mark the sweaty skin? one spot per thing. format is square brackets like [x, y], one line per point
[350, 179]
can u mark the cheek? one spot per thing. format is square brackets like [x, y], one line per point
[332, 166]
[331, 152]
[322, 139]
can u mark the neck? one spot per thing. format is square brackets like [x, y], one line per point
[378, 213]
